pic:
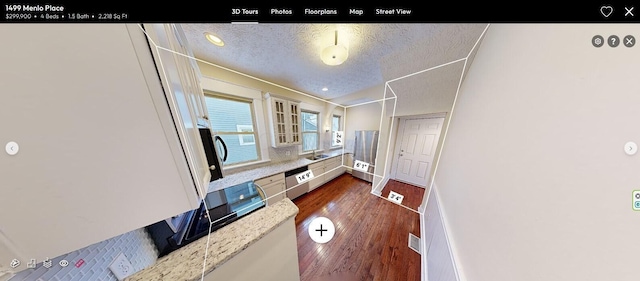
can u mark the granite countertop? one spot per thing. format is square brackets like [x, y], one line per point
[258, 173]
[187, 262]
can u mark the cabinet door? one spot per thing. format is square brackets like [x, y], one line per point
[99, 153]
[318, 179]
[334, 168]
[318, 174]
[280, 124]
[294, 123]
[275, 192]
[191, 76]
[182, 91]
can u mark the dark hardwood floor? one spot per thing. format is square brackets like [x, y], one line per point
[412, 194]
[371, 239]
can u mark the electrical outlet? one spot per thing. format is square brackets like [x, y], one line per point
[121, 267]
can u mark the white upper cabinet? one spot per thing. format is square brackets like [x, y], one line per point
[106, 129]
[284, 121]
[181, 80]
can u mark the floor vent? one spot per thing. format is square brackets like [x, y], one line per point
[414, 243]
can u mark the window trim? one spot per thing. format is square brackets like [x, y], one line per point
[339, 128]
[302, 131]
[255, 134]
[248, 133]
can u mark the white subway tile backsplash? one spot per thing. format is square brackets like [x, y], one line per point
[137, 245]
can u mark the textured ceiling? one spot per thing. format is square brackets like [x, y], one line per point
[289, 54]
[427, 92]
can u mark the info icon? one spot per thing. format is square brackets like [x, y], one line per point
[597, 41]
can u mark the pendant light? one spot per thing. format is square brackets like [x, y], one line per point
[335, 54]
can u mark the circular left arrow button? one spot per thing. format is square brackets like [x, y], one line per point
[12, 148]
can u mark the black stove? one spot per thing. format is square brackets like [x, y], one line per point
[218, 209]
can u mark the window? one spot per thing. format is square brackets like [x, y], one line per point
[232, 119]
[246, 139]
[310, 133]
[335, 126]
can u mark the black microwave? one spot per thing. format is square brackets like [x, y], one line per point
[214, 158]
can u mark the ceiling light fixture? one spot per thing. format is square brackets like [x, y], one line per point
[335, 54]
[215, 40]
[325, 89]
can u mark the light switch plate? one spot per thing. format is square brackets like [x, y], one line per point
[121, 267]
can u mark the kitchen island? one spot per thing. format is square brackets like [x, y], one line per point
[260, 245]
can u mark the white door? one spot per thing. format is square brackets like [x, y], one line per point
[418, 139]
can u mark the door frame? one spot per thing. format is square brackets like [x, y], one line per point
[399, 124]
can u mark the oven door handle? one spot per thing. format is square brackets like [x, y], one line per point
[263, 194]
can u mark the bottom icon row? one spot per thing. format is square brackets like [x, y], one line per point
[613, 41]
[47, 263]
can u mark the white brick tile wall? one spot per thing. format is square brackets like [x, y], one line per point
[136, 245]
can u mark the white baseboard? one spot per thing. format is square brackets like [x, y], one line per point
[421, 209]
[423, 250]
[378, 190]
[450, 243]
[436, 212]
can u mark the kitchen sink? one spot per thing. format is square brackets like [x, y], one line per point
[317, 157]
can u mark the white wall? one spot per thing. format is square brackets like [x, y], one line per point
[362, 117]
[533, 179]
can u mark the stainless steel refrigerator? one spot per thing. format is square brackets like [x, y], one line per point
[365, 147]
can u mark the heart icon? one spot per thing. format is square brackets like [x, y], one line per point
[606, 11]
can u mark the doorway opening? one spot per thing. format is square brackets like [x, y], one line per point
[417, 142]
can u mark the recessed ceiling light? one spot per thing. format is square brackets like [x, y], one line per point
[325, 89]
[215, 40]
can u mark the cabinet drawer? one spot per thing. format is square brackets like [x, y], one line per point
[333, 160]
[317, 171]
[335, 173]
[314, 166]
[333, 163]
[270, 179]
[274, 187]
[275, 192]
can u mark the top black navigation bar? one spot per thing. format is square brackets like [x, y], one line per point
[308, 12]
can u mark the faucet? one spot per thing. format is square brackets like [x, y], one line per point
[314, 154]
